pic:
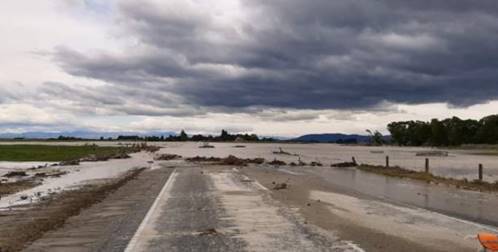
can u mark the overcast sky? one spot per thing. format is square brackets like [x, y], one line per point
[280, 67]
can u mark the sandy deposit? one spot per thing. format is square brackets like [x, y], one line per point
[84, 173]
[415, 224]
[263, 224]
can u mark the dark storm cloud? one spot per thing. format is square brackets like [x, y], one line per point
[319, 54]
[109, 99]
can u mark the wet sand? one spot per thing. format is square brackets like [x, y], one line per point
[78, 175]
[372, 223]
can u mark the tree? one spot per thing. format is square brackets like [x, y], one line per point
[183, 136]
[376, 138]
[455, 130]
[452, 131]
[224, 136]
[399, 132]
[419, 133]
[488, 130]
[439, 134]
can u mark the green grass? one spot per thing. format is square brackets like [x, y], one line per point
[50, 153]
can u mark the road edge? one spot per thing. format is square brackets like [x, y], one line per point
[135, 240]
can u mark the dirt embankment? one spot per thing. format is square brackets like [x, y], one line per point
[19, 227]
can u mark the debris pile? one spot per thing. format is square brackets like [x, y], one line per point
[94, 158]
[316, 163]
[206, 145]
[144, 147]
[230, 160]
[282, 152]
[55, 173]
[277, 162]
[255, 161]
[203, 159]
[167, 157]
[299, 163]
[121, 155]
[70, 162]
[233, 160]
[344, 165]
[15, 174]
[280, 186]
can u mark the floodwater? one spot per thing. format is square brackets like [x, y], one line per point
[470, 205]
[458, 164]
[86, 172]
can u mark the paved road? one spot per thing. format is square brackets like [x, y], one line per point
[218, 209]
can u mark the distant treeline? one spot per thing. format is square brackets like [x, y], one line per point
[183, 136]
[449, 132]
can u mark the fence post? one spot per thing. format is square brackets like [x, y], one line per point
[480, 172]
[387, 161]
[354, 161]
[426, 165]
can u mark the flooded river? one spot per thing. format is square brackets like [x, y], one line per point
[458, 164]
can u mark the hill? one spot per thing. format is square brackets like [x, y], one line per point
[332, 138]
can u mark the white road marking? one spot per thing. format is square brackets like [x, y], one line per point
[139, 240]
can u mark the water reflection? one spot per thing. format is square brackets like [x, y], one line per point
[470, 205]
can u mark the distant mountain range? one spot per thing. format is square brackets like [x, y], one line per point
[334, 138]
[81, 134]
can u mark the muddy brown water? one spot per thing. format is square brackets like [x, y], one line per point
[458, 164]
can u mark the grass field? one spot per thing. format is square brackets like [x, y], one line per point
[50, 153]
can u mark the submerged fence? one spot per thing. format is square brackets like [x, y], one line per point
[479, 174]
